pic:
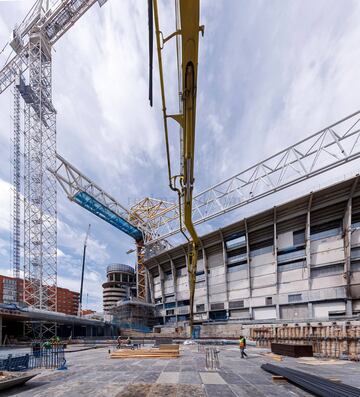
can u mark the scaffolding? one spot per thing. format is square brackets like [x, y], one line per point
[40, 273]
[134, 315]
[16, 180]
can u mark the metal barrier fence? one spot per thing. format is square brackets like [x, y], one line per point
[212, 362]
[43, 358]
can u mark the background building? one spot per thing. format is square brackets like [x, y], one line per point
[120, 285]
[298, 261]
[67, 301]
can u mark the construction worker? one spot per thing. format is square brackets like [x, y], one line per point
[242, 345]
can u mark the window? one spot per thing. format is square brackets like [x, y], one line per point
[184, 303]
[330, 270]
[268, 301]
[262, 247]
[299, 237]
[236, 304]
[170, 312]
[200, 308]
[283, 267]
[294, 298]
[217, 306]
[325, 230]
[235, 242]
[236, 267]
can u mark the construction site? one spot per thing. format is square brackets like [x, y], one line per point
[237, 289]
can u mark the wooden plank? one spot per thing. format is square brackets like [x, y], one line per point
[169, 347]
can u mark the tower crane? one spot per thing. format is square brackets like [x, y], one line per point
[32, 43]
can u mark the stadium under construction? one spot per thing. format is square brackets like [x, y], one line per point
[274, 273]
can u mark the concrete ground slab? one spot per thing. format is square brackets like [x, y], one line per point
[93, 373]
[168, 377]
[211, 378]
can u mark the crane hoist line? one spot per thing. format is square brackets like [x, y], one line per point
[187, 29]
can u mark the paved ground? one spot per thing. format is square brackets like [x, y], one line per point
[93, 373]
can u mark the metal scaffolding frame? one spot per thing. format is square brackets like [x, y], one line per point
[40, 213]
[16, 181]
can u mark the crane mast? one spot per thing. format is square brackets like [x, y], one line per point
[32, 44]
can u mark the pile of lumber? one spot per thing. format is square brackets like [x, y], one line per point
[164, 351]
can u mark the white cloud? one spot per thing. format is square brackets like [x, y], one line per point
[5, 205]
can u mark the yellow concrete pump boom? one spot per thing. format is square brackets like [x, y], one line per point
[188, 30]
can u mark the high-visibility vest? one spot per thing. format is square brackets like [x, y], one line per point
[242, 343]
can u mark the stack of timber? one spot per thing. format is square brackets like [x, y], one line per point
[336, 340]
[164, 351]
[314, 384]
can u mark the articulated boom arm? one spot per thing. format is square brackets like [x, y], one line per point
[187, 29]
[53, 24]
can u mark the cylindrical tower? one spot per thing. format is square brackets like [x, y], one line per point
[120, 285]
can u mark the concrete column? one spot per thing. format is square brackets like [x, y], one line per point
[161, 276]
[151, 286]
[225, 272]
[276, 266]
[206, 281]
[174, 277]
[248, 265]
[347, 248]
[310, 310]
[308, 245]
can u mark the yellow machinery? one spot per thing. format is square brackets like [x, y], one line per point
[187, 31]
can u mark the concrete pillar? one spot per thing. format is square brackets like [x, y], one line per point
[174, 277]
[225, 273]
[248, 257]
[310, 310]
[151, 286]
[276, 266]
[308, 243]
[161, 276]
[347, 248]
[206, 281]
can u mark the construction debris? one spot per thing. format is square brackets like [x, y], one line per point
[314, 384]
[316, 361]
[273, 356]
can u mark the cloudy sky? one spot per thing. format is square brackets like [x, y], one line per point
[270, 73]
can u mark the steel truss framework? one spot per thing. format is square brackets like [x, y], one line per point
[134, 222]
[320, 152]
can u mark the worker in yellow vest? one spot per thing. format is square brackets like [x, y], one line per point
[242, 345]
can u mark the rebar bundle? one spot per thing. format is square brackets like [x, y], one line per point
[314, 384]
